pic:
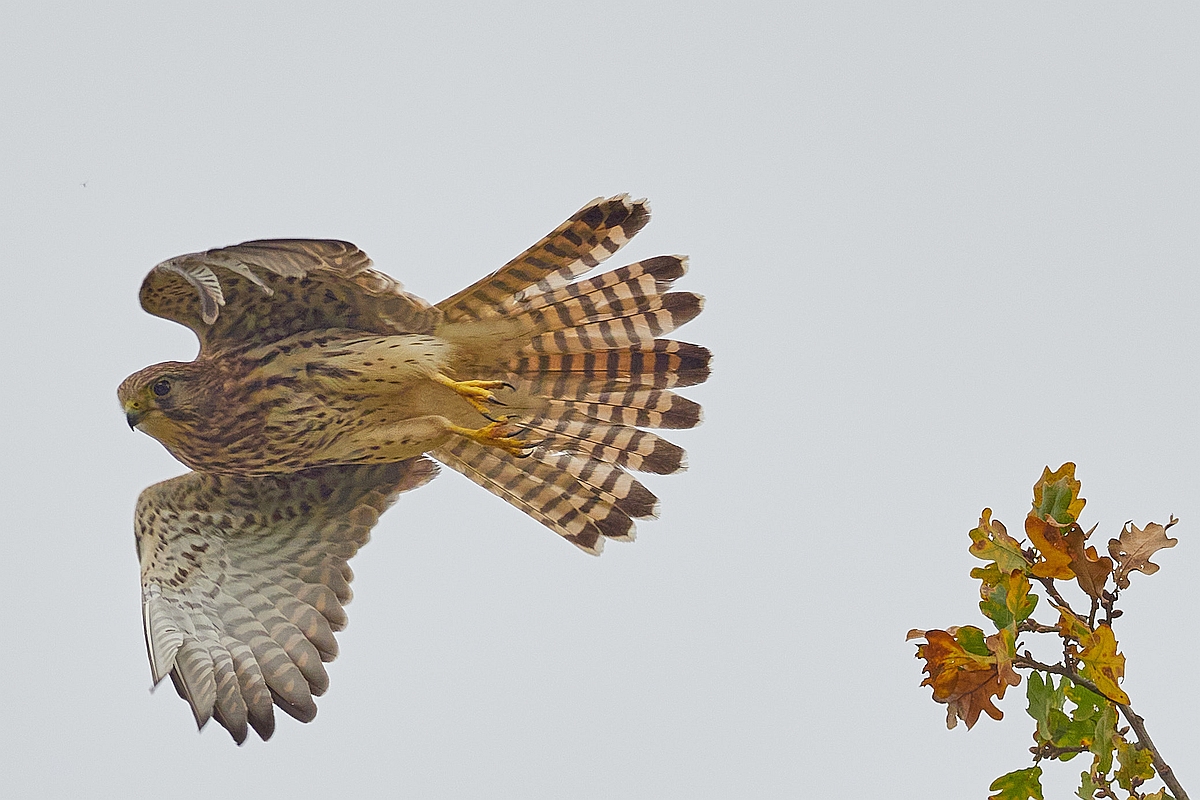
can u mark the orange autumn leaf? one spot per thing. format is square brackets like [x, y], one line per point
[1065, 554]
[1047, 536]
[965, 673]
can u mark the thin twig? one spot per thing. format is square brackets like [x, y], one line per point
[1028, 662]
[1033, 626]
[1052, 751]
[1052, 590]
[1161, 766]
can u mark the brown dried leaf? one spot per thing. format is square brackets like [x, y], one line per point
[1091, 571]
[1135, 547]
[961, 676]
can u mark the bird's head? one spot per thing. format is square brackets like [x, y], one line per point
[162, 400]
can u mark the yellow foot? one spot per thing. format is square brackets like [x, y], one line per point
[477, 393]
[497, 434]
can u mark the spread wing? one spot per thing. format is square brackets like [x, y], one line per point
[259, 292]
[244, 579]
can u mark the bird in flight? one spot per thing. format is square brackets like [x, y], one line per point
[321, 391]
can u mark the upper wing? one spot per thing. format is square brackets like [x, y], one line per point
[244, 579]
[592, 234]
[273, 288]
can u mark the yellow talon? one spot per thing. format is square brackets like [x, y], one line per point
[496, 434]
[477, 393]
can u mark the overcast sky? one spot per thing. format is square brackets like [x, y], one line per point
[943, 245]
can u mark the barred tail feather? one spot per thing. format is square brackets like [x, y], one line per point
[658, 315]
[590, 236]
[642, 279]
[609, 482]
[661, 364]
[640, 407]
[589, 373]
[582, 517]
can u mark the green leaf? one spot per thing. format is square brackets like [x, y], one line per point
[1006, 596]
[1024, 784]
[1057, 495]
[1018, 598]
[1136, 766]
[1087, 787]
[972, 640]
[994, 604]
[1045, 706]
[1100, 717]
[991, 542]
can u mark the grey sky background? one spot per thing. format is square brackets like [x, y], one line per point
[943, 246]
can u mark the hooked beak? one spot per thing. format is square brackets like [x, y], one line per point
[133, 415]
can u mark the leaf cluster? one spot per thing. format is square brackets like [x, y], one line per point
[969, 669]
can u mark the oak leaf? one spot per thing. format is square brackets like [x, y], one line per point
[1100, 716]
[990, 541]
[1091, 724]
[1065, 554]
[1071, 626]
[1087, 786]
[1091, 571]
[1003, 646]
[1006, 595]
[1046, 707]
[1136, 765]
[1023, 784]
[1102, 664]
[964, 671]
[1056, 495]
[1047, 536]
[1135, 547]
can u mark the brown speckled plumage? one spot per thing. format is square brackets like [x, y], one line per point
[319, 387]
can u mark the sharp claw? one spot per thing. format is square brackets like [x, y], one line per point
[498, 417]
[492, 399]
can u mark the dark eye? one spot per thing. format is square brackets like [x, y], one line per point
[161, 388]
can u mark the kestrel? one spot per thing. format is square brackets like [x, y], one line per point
[320, 388]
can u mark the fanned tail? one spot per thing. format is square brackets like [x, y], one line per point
[589, 372]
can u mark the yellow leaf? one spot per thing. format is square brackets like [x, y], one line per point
[1071, 627]
[1102, 664]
